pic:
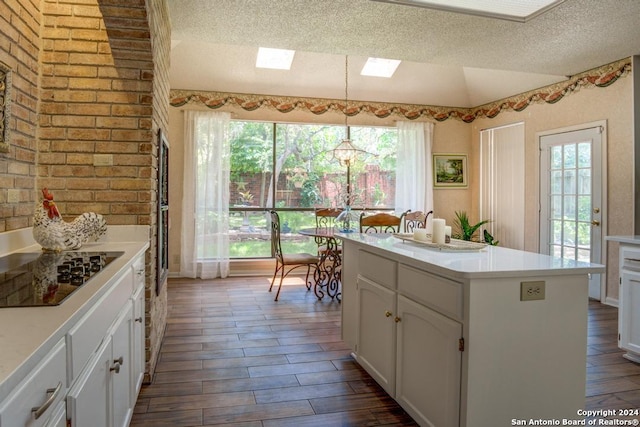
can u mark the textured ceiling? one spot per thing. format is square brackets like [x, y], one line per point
[448, 59]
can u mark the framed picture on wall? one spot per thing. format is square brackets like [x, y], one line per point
[449, 170]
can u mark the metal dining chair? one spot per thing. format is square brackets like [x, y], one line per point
[413, 220]
[325, 218]
[380, 223]
[286, 263]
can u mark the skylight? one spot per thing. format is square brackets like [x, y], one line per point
[276, 59]
[512, 10]
[380, 67]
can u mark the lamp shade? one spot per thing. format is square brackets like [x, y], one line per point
[345, 152]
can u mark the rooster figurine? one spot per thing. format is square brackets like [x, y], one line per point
[56, 235]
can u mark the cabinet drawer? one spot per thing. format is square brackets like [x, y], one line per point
[86, 335]
[44, 388]
[630, 259]
[380, 270]
[436, 292]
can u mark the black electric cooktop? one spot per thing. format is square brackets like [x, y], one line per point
[47, 279]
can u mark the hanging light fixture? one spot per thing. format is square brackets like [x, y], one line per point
[346, 153]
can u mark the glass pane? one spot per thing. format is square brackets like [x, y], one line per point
[584, 234]
[373, 175]
[249, 235]
[569, 160]
[556, 157]
[306, 173]
[568, 252]
[569, 208]
[584, 181]
[291, 222]
[556, 251]
[584, 255]
[556, 207]
[584, 155]
[251, 160]
[584, 208]
[556, 182]
[570, 181]
[568, 233]
[556, 232]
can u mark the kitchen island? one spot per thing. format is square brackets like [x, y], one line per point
[483, 338]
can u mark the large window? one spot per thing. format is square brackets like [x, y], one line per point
[291, 167]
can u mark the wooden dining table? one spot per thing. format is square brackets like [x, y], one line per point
[328, 275]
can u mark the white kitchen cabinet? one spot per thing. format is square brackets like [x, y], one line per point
[101, 396]
[428, 364]
[106, 381]
[33, 402]
[467, 349]
[59, 417]
[88, 400]
[49, 353]
[629, 303]
[412, 351]
[138, 351]
[376, 337]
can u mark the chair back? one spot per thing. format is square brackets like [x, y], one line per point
[276, 248]
[380, 223]
[326, 217]
[413, 220]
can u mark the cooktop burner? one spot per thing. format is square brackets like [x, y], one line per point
[47, 279]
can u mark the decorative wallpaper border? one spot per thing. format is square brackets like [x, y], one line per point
[602, 76]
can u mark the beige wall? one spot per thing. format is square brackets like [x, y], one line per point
[612, 104]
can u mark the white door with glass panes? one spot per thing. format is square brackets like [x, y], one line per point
[571, 208]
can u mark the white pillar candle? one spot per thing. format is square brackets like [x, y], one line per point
[437, 236]
[420, 234]
[447, 233]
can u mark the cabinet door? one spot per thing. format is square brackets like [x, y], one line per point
[428, 365]
[629, 314]
[88, 401]
[122, 361]
[59, 417]
[376, 342]
[137, 352]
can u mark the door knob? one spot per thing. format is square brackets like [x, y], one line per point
[595, 223]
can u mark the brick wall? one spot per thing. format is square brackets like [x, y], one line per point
[161, 49]
[19, 50]
[90, 91]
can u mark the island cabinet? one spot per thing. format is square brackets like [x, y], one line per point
[451, 337]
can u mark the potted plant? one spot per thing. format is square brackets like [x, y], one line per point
[464, 229]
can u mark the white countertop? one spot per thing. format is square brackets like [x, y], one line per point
[491, 261]
[634, 240]
[28, 333]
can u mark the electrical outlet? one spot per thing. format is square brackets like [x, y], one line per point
[531, 291]
[13, 196]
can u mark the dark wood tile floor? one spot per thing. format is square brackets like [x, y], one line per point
[232, 356]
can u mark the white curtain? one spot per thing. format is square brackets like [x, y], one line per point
[414, 169]
[205, 196]
[502, 183]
